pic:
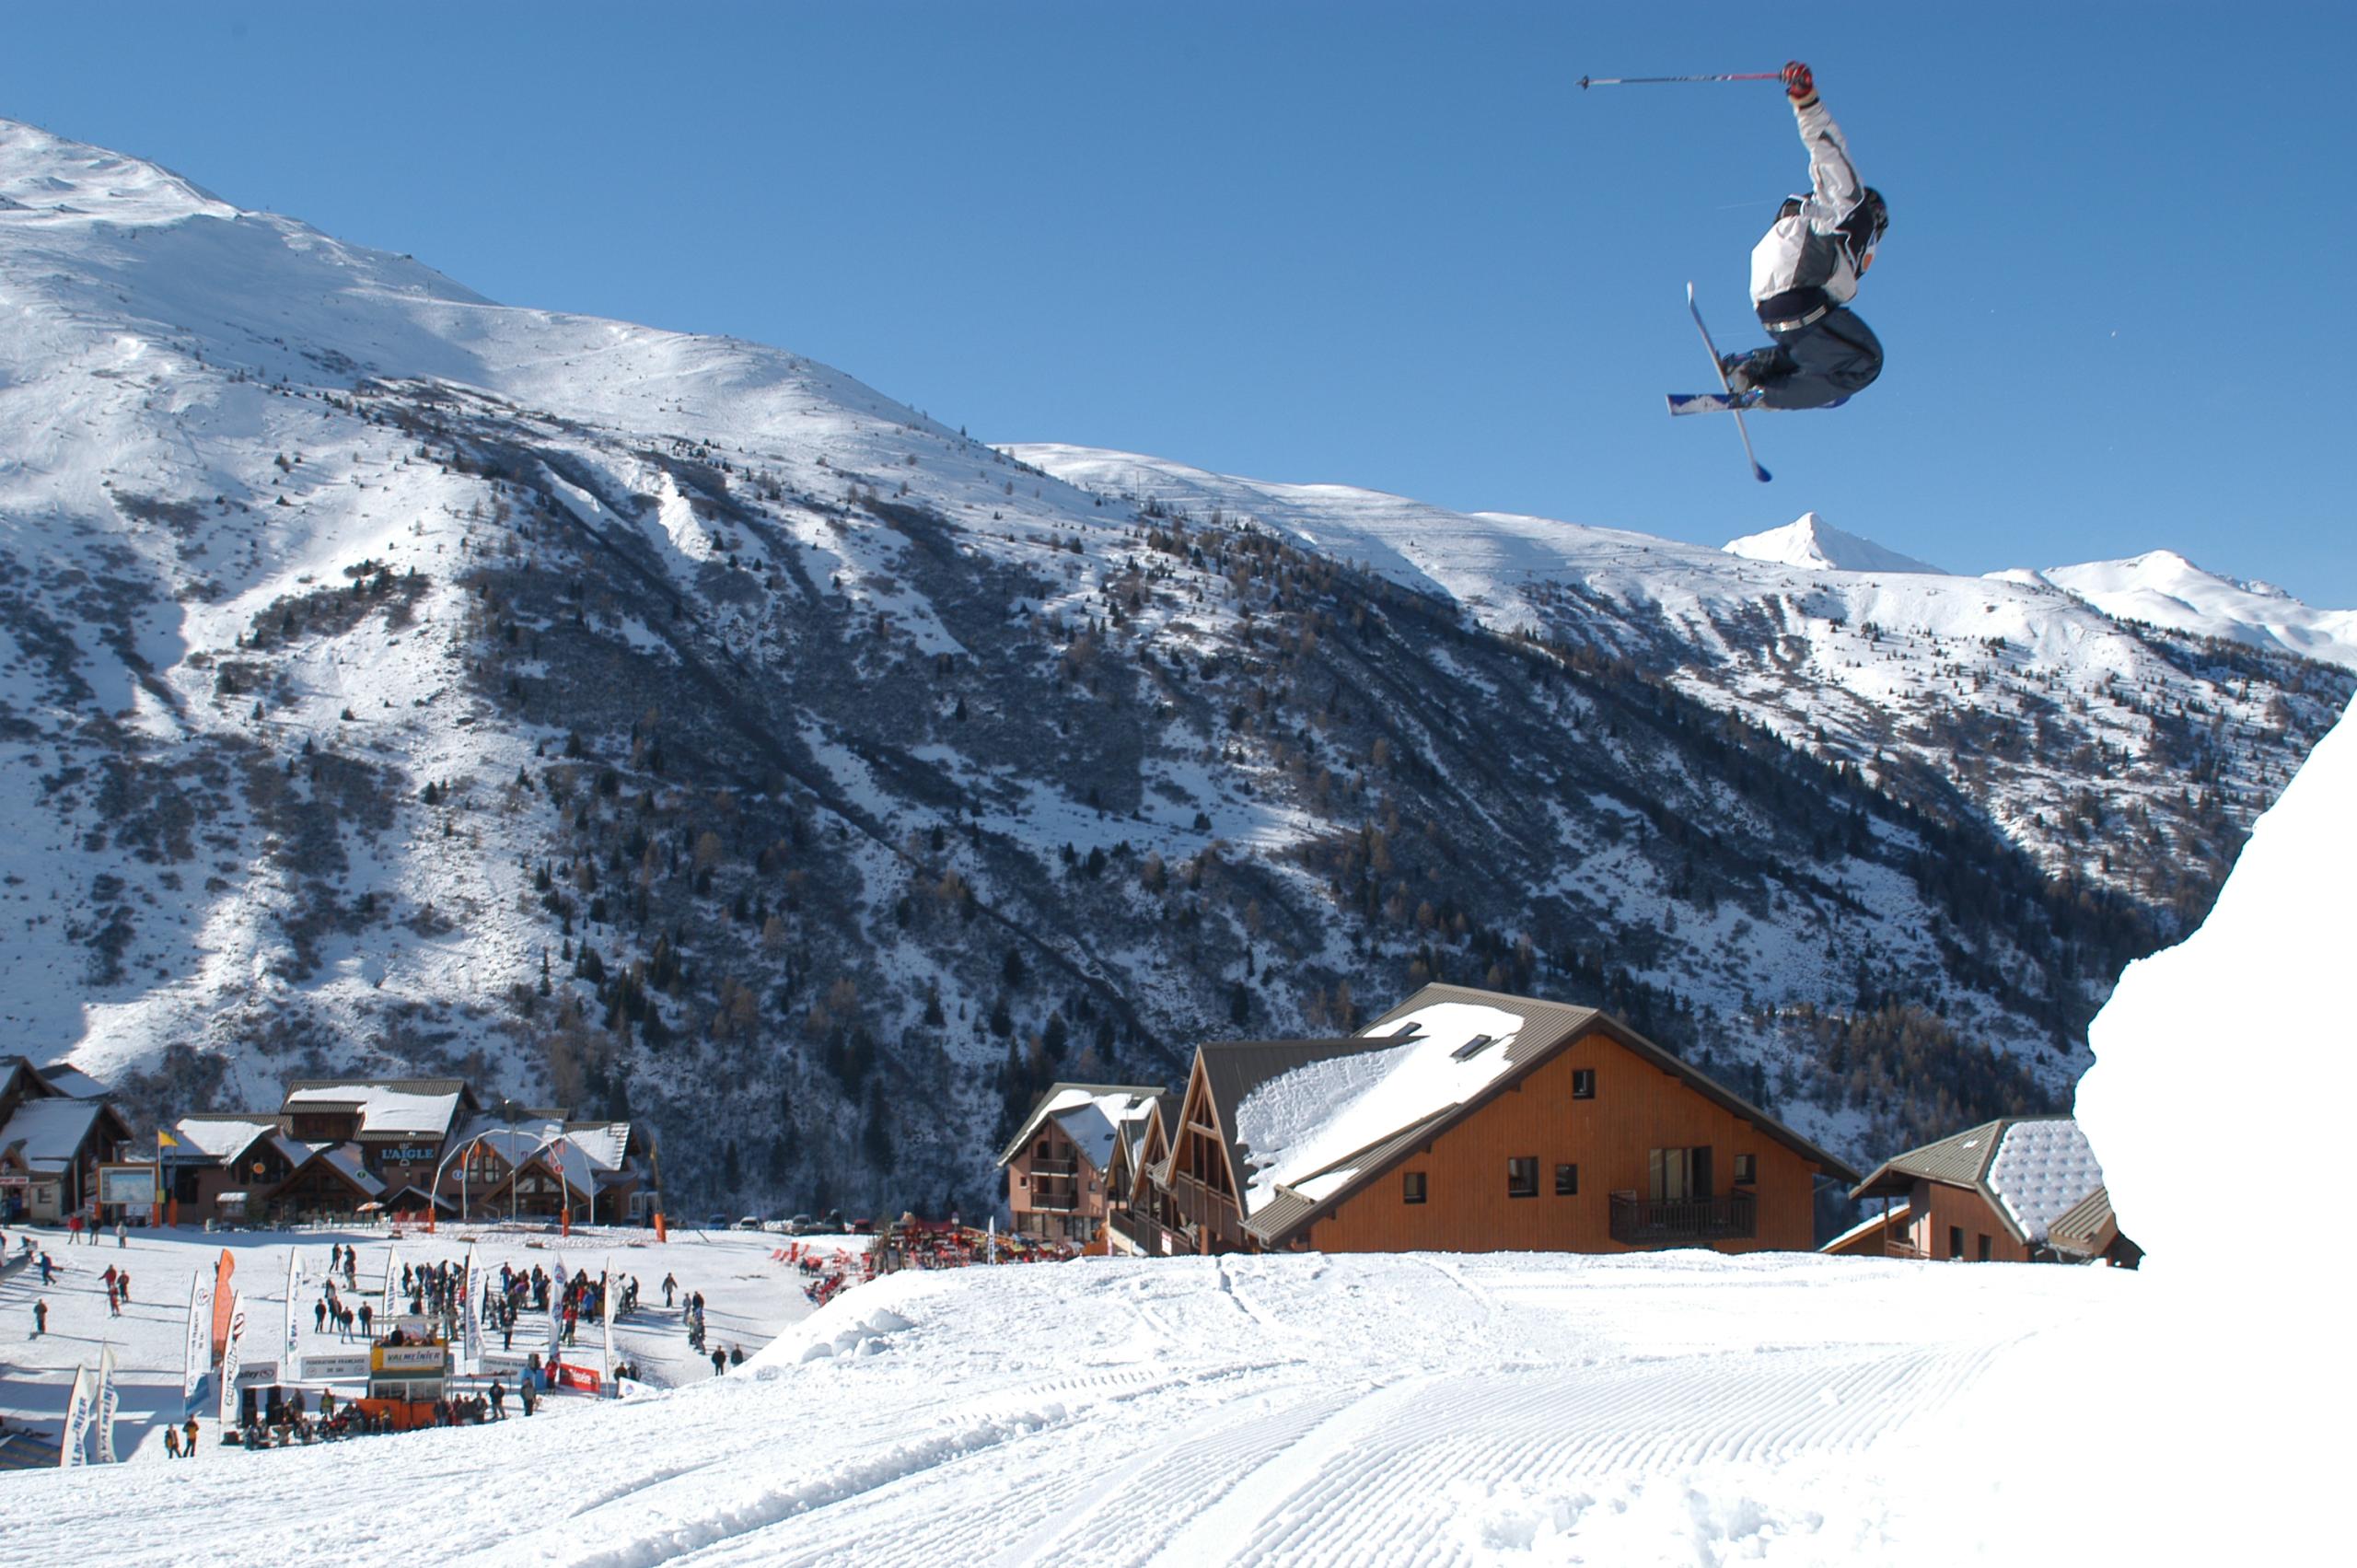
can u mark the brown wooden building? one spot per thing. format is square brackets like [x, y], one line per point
[2018, 1189]
[52, 1142]
[1469, 1121]
[1062, 1166]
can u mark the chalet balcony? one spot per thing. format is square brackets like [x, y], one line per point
[1054, 1201]
[1149, 1237]
[1677, 1222]
[1041, 1166]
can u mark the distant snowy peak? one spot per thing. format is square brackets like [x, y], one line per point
[2163, 589]
[43, 173]
[1810, 541]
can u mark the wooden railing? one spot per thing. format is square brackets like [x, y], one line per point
[1640, 1223]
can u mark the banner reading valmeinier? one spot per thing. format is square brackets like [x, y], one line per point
[200, 1354]
[108, 1396]
[470, 1317]
[222, 1297]
[73, 1447]
[408, 1358]
[231, 1354]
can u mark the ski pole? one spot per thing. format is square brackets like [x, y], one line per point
[1635, 81]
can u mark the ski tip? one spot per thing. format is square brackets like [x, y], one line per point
[1690, 291]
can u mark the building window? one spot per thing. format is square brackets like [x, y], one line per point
[1567, 1180]
[1582, 1083]
[1984, 1250]
[1680, 1174]
[1747, 1170]
[1412, 1187]
[1522, 1177]
[1956, 1241]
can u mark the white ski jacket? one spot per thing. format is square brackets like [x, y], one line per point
[1804, 252]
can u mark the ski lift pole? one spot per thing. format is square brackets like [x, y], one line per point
[1645, 81]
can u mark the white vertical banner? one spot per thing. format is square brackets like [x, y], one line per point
[108, 1396]
[605, 1304]
[391, 1305]
[200, 1341]
[79, 1405]
[556, 1310]
[294, 1326]
[472, 1313]
[232, 1355]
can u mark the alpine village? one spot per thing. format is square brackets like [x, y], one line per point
[570, 877]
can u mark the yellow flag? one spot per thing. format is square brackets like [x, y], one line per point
[164, 1139]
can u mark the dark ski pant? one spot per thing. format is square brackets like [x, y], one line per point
[1820, 366]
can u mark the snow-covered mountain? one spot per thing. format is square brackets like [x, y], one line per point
[1810, 540]
[393, 678]
[2161, 587]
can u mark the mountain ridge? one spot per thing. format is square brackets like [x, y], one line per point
[678, 728]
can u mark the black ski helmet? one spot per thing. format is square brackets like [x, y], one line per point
[1864, 228]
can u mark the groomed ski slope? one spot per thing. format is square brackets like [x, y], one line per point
[1674, 1407]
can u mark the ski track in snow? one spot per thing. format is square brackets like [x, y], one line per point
[1342, 1411]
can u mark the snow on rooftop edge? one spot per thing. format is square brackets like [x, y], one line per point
[1301, 1121]
[2042, 1168]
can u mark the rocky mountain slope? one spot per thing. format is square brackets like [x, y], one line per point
[393, 679]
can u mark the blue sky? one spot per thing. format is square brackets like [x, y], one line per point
[1385, 245]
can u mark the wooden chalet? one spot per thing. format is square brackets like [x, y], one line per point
[1469, 1121]
[1062, 1164]
[53, 1140]
[2018, 1189]
[402, 1126]
[544, 1166]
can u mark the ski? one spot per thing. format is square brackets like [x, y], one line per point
[1757, 472]
[1713, 402]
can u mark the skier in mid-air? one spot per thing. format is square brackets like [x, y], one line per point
[1805, 272]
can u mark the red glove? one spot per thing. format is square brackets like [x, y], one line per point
[1799, 83]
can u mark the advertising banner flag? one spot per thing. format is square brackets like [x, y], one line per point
[605, 1299]
[222, 1297]
[232, 1354]
[294, 1289]
[78, 1408]
[556, 1310]
[391, 1306]
[472, 1313]
[199, 1344]
[107, 1395]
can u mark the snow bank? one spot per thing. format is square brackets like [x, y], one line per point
[2222, 1066]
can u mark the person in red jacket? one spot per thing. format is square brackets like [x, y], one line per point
[1805, 272]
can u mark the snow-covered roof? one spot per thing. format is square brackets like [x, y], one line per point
[1897, 1218]
[385, 1109]
[1092, 1115]
[1095, 1122]
[67, 1078]
[50, 1131]
[220, 1137]
[2031, 1170]
[346, 1158]
[1293, 1129]
[2041, 1171]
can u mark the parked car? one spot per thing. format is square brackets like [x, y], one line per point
[715, 1222]
[800, 1224]
[749, 1221]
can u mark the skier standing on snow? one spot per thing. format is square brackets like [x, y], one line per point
[1805, 272]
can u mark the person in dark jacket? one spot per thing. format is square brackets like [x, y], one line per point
[1805, 272]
